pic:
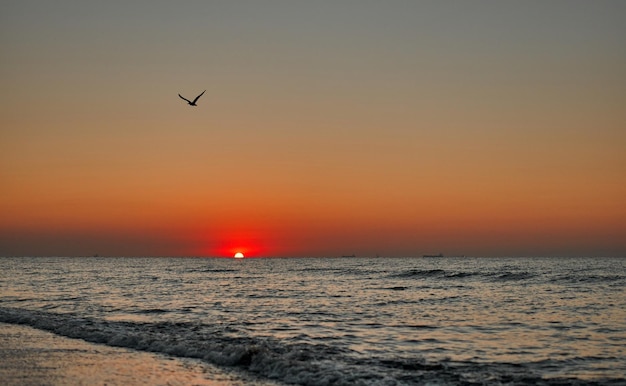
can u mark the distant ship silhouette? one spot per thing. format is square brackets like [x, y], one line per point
[192, 103]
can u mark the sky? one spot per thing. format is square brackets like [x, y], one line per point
[328, 128]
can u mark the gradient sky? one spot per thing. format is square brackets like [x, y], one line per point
[397, 128]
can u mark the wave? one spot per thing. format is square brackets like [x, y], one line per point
[453, 275]
[420, 273]
[153, 311]
[513, 276]
[585, 278]
[337, 271]
[316, 363]
[297, 363]
[212, 270]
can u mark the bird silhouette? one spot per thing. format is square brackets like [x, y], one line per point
[192, 103]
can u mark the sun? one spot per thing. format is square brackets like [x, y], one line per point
[239, 255]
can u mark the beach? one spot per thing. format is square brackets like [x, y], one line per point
[33, 357]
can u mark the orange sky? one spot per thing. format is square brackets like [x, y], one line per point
[327, 129]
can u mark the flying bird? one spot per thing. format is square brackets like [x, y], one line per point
[194, 101]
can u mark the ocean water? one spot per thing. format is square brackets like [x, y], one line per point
[342, 321]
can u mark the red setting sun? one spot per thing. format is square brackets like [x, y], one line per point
[235, 241]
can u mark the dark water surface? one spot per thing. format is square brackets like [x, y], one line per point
[388, 321]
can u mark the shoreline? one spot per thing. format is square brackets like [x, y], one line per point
[34, 357]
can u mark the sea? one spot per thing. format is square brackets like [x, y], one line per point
[341, 321]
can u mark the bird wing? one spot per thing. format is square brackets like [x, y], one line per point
[198, 97]
[182, 97]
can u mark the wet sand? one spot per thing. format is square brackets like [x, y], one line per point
[33, 357]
